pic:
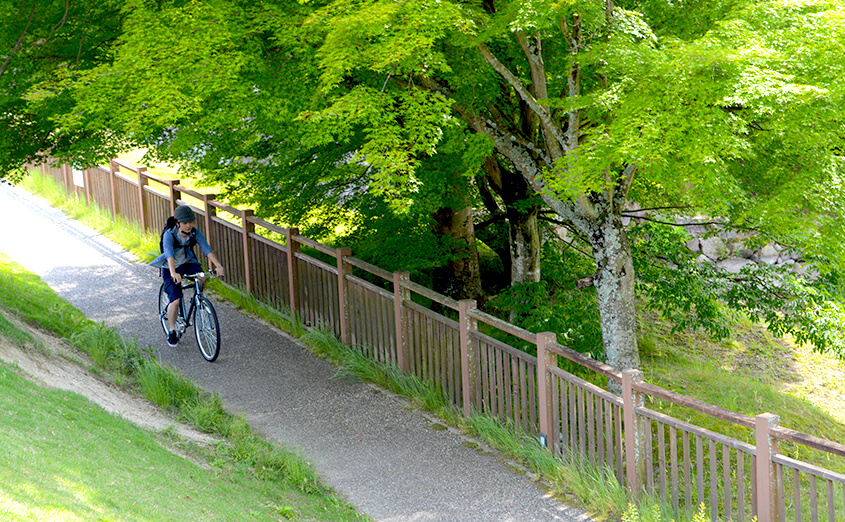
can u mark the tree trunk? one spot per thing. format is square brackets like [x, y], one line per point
[522, 213]
[614, 282]
[460, 277]
[524, 245]
[596, 214]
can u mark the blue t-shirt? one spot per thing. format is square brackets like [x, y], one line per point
[180, 255]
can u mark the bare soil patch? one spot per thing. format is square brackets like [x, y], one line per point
[61, 366]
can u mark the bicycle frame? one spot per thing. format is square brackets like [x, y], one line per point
[195, 283]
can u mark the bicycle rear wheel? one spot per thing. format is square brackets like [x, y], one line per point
[207, 329]
[163, 301]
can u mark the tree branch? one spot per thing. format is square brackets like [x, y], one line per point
[61, 22]
[541, 111]
[660, 208]
[82, 35]
[701, 223]
[533, 51]
[489, 221]
[484, 189]
[17, 45]
[623, 185]
[573, 82]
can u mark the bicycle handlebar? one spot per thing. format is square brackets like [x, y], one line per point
[190, 278]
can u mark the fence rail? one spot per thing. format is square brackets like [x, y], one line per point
[374, 311]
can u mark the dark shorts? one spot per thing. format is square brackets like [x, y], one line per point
[173, 290]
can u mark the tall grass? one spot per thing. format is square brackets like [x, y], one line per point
[34, 302]
[18, 336]
[160, 384]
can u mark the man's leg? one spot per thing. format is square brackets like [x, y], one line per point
[174, 292]
[172, 313]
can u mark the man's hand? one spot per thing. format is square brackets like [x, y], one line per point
[219, 271]
[177, 277]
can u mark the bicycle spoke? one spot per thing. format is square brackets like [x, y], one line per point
[163, 301]
[206, 329]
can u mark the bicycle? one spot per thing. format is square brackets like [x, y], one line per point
[201, 315]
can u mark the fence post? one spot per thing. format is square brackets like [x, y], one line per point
[343, 270]
[293, 269]
[86, 180]
[247, 228]
[174, 194]
[400, 295]
[634, 433]
[67, 178]
[210, 212]
[142, 182]
[767, 506]
[468, 359]
[545, 359]
[113, 186]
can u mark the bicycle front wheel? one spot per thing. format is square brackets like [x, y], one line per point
[207, 329]
[163, 301]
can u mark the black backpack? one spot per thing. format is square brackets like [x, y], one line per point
[172, 223]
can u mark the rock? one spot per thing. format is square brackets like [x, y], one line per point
[806, 270]
[743, 252]
[735, 243]
[714, 248]
[694, 245]
[703, 259]
[695, 230]
[768, 251]
[768, 260]
[734, 264]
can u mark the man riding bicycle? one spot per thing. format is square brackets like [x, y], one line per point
[178, 255]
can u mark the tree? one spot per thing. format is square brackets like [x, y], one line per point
[522, 210]
[601, 111]
[218, 86]
[727, 108]
[43, 46]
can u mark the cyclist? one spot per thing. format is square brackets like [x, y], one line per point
[178, 258]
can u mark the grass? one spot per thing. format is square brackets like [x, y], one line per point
[55, 445]
[280, 318]
[753, 373]
[143, 245]
[354, 363]
[750, 373]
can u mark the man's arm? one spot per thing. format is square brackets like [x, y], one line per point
[171, 265]
[167, 247]
[215, 264]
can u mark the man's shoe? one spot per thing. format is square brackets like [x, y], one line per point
[172, 340]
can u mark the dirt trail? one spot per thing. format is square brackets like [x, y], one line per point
[55, 367]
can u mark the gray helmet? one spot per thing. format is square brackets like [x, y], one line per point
[184, 214]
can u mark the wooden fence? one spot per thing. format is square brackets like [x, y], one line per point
[646, 451]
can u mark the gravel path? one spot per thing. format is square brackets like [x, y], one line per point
[372, 447]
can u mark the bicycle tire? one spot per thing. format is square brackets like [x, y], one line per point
[207, 329]
[163, 301]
